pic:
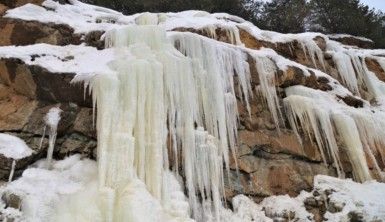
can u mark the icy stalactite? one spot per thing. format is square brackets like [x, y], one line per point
[321, 117]
[347, 129]
[215, 64]
[353, 71]
[157, 93]
[312, 50]
[12, 171]
[346, 71]
[267, 73]
[370, 126]
[303, 112]
[52, 120]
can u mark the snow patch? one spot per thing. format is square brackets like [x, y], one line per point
[13, 147]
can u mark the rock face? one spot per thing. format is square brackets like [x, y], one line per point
[353, 41]
[270, 161]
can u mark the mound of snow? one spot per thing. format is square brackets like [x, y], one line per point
[366, 199]
[13, 147]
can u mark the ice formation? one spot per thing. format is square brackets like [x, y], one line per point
[159, 94]
[51, 119]
[267, 71]
[354, 73]
[322, 117]
[167, 100]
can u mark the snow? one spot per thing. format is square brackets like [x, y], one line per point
[366, 198]
[13, 147]
[284, 206]
[62, 59]
[92, 18]
[41, 189]
[69, 192]
[340, 36]
[81, 17]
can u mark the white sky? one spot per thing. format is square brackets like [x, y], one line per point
[378, 4]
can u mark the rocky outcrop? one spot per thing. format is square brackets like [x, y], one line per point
[270, 161]
[353, 41]
[35, 32]
[26, 95]
[17, 3]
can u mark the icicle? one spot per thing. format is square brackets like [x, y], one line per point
[217, 63]
[267, 73]
[370, 126]
[158, 91]
[311, 49]
[12, 171]
[348, 131]
[52, 120]
[346, 71]
[354, 72]
[315, 121]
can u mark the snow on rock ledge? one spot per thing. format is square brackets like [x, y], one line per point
[13, 147]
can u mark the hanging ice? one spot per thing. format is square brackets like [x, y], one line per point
[52, 120]
[267, 73]
[352, 69]
[347, 129]
[303, 112]
[161, 96]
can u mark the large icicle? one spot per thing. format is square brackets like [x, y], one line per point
[316, 112]
[347, 129]
[303, 112]
[160, 96]
[353, 71]
[312, 50]
[267, 73]
[215, 65]
[346, 71]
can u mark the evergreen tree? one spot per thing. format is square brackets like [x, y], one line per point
[348, 17]
[284, 16]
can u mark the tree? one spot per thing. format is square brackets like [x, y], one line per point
[284, 16]
[349, 17]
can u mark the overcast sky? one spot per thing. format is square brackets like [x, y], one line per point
[378, 4]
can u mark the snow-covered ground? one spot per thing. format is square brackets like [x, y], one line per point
[43, 192]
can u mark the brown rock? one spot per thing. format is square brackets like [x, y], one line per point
[15, 110]
[251, 42]
[84, 123]
[38, 83]
[3, 9]
[68, 115]
[375, 67]
[18, 3]
[19, 32]
[354, 41]
[282, 175]
[286, 143]
[77, 143]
